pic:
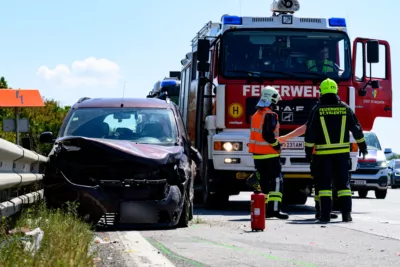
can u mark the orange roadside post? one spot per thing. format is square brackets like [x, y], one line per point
[20, 98]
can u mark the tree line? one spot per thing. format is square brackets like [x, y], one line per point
[47, 118]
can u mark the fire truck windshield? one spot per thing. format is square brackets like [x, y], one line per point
[300, 54]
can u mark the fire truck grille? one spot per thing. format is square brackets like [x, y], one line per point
[291, 112]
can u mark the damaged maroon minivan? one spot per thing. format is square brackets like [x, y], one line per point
[125, 161]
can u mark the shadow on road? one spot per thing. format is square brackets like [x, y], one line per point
[242, 208]
[313, 221]
[237, 208]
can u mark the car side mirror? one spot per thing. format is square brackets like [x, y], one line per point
[388, 151]
[46, 138]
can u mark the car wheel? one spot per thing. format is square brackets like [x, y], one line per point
[362, 193]
[185, 215]
[380, 194]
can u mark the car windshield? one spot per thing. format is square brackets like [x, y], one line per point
[141, 125]
[286, 54]
[372, 141]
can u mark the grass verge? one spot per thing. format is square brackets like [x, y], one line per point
[66, 241]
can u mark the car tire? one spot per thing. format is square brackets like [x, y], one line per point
[362, 193]
[185, 214]
[381, 194]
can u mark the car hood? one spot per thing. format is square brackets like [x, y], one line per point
[374, 155]
[148, 154]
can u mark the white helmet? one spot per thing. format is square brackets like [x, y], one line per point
[269, 95]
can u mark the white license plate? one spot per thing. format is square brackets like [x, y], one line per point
[293, 145]
[360, 182]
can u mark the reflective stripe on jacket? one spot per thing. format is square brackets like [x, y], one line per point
[257, 143]
[331, 121]
[312, 66]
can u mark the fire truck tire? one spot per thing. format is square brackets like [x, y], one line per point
[301, 198]
[291, 197]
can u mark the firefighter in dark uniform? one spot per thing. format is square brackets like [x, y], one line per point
[327, 131]
[295, 133]
[266, 151]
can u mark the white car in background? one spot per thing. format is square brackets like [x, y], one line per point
[394, 173]
[372, 172]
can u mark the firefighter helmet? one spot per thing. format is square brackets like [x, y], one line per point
[269, 95]
[328, 86]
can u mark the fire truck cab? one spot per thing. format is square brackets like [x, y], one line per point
[231, 61]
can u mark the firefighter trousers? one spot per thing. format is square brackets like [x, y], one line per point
[333, 169]
[269, 172]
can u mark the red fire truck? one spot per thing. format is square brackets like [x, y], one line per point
[231, 61]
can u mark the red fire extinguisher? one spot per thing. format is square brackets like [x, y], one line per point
[257, 211]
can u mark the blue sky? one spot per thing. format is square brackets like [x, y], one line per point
[141, 41]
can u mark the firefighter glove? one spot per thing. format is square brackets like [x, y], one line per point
[364, 153]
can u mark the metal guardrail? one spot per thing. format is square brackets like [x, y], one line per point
[20, 168]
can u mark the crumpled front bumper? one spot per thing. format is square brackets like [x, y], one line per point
[100, 202]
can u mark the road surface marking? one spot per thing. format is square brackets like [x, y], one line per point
[145, 254]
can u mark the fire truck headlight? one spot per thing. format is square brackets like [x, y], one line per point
[229, 146]
[232, 146]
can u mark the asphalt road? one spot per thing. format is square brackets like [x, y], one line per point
[220, 239]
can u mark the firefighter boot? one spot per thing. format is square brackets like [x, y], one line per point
[277, 214]
[326, 209]
[346, 207]
[270, 213]
[346, 217]
[318, 212]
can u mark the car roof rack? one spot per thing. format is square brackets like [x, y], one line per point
[83, 99]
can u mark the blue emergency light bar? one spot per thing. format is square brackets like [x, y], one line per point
[337, 22]
[232, 20]
[168, 83]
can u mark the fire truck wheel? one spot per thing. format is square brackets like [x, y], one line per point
[291, 197]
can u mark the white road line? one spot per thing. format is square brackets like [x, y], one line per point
[142, 252]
